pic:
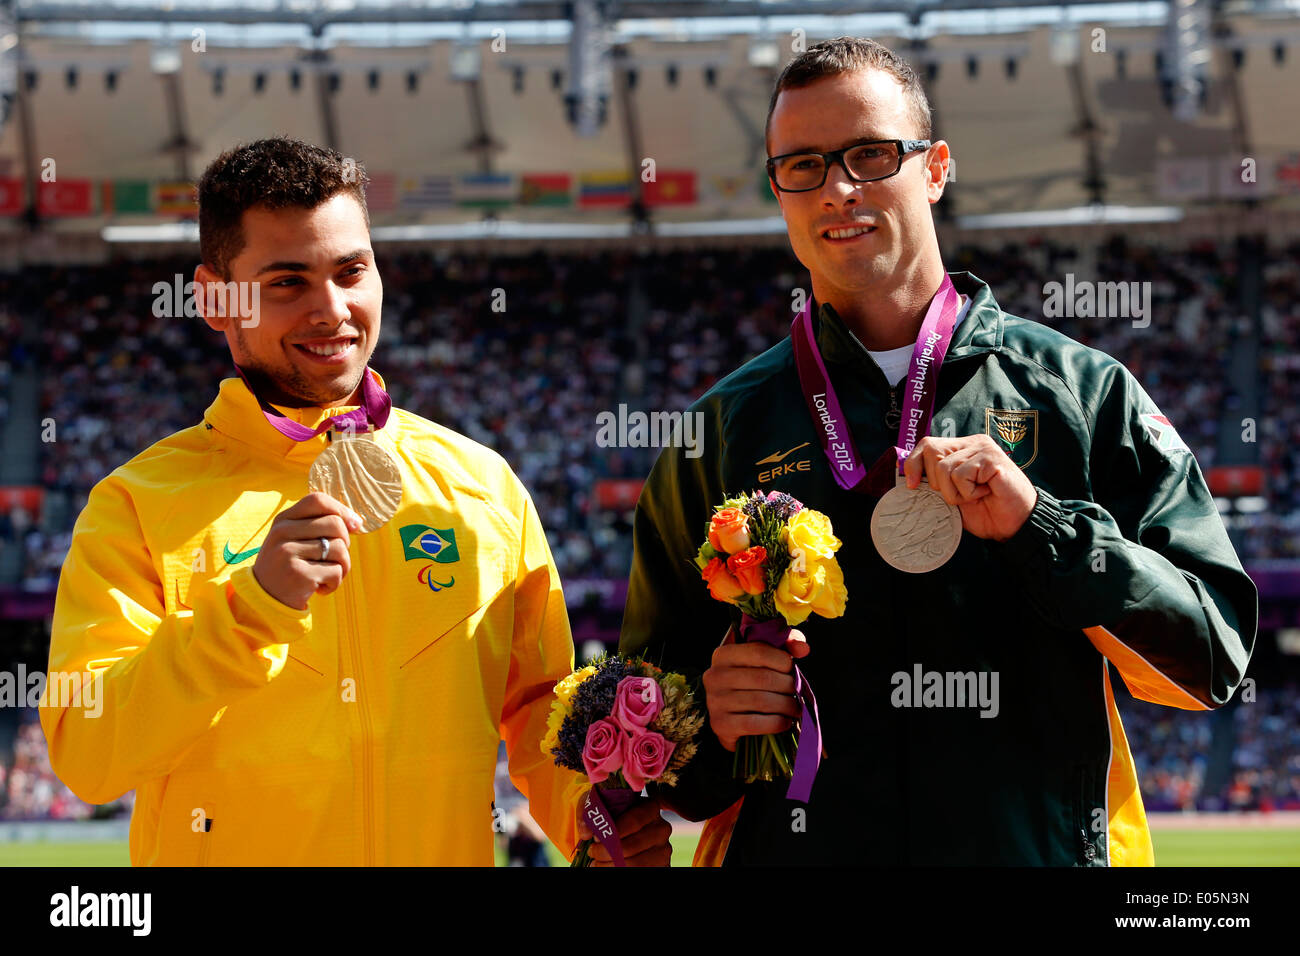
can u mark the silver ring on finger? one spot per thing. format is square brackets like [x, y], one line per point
[324, 549]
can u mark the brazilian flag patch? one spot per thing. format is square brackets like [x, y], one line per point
[1016, 432]
[423, 543]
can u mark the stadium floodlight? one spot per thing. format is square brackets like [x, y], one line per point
[764, 53]
[466, 62]
[590, 73]
[1063, 46]
[164, 58]
[1094, 215]
[158, 232]
[500, 229]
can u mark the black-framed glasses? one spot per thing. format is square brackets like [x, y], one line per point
[861, 162]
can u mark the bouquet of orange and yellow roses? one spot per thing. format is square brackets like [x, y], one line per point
[775, 560]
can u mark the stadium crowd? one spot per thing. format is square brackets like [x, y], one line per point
[29, 790]
[523, 353]
[1172, 750]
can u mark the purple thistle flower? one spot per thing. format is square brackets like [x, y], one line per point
[754, 505]
[783, 506]
[593, 701]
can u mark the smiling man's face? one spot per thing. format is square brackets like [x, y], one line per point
[891, 231]
[320, 300]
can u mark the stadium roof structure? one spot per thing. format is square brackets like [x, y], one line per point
[461, 111]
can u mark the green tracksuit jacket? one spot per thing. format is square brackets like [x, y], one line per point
[1124, 558]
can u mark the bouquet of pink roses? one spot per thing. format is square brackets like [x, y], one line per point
[624, 723]
[775, 560]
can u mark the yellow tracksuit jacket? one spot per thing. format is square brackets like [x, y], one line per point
[361, 731]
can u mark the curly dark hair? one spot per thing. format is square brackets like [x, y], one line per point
[275, 173]
[846, 55]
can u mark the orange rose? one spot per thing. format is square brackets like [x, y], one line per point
[729, 530]
[722, 586]
[748, 568]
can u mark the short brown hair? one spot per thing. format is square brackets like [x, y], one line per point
[846, 55]
[275, 173]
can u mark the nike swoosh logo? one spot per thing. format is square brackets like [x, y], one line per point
[774, 458]
[233, 558]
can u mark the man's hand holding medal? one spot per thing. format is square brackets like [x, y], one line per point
[972, 473]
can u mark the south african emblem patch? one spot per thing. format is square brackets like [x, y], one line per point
[1015, 431]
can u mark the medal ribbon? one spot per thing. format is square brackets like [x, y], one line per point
[847, 465]
[600, 817]
[809, 755]
[375, 407]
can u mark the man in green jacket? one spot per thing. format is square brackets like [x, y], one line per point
[1087, 536]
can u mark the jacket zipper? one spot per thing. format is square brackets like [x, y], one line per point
[367, 756]
[1087, 849]
[206, 837]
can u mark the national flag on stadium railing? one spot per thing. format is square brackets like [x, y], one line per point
[1244, 181]
[486, 190]
[425, 192]
[65, 197]
[125, 195]
[176, 199]
[725, 188]
[11, 197]
[670, 188]
[1287, 173]
[545, 189]
[604, 190]
[381, 192]
[1183, 178]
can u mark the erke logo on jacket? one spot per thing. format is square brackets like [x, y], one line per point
[777, 457]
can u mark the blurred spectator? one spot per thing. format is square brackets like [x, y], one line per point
[583, 333]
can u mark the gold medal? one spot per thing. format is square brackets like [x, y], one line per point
[915, 531]
[360, 473]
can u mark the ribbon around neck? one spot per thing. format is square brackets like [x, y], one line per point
[850, 471]
[806, 761]
[376, 404]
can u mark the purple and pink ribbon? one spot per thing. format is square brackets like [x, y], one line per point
[847, 465]
[808, 759]
[376, 404]
[599, 815]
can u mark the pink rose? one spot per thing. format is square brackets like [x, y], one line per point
[644, 757]
[637, 701]
[602, 754]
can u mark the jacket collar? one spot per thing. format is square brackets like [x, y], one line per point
[980, 331]
[237, 416]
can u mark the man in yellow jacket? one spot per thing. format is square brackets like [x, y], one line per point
[278, 686]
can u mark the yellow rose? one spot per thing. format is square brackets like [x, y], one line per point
[554, 720]
[566, 688]
[796, 592]
[810, 531]
[830, 602]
